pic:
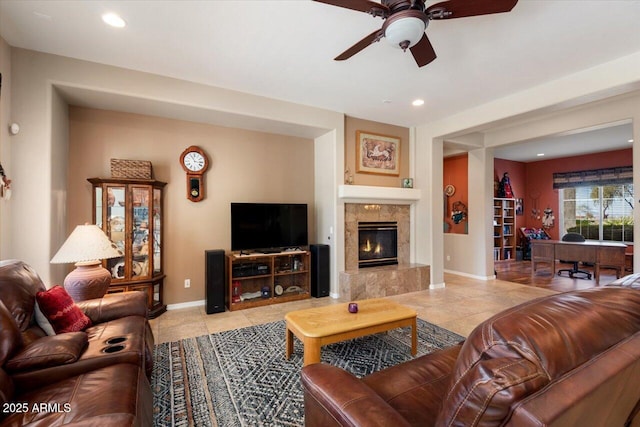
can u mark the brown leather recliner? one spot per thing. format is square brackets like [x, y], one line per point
[99, 376]
[569, 359]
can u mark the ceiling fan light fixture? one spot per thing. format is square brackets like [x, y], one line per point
[405, 21]
[113, 20]
[405, 32]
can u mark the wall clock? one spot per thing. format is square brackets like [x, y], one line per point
[449, 190]
[195, 163]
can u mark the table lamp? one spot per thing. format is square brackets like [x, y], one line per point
[87, 246]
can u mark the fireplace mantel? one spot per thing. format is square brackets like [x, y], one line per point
[366, 193]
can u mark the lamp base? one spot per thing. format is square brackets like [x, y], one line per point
[88, 281]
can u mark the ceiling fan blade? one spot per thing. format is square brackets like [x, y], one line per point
[375, 9]
[423, 51]
[462, 8]
[373, 37]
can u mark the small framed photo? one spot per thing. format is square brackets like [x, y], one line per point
[519, 206]
[407, 182]
[377, 154]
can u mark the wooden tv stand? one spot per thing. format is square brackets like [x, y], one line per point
[257, 279]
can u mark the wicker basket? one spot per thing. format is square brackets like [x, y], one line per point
[136, 169]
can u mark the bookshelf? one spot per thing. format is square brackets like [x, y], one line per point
[504, 229]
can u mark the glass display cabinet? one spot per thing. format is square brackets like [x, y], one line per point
[130, 212]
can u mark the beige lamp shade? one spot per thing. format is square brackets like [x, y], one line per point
[86, 247]
[87, 243]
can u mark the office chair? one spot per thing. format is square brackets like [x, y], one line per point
[574, 237]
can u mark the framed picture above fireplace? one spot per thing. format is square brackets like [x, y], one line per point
[377, 154]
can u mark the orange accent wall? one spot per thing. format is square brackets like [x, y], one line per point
[534, 181]
[455, 172]
[517, 176]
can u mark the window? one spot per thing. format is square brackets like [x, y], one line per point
[598, 212]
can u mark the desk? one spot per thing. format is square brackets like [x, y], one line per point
[601, 254]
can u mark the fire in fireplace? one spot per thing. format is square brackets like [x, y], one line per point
[377, 243]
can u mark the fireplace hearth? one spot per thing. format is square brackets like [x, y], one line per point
[377, 243]
[357, 283]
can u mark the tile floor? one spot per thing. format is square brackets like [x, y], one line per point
[459, 307]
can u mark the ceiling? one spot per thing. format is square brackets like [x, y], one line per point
[584, 141]
[284, 49]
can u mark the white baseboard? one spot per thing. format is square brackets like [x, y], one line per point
[437, 286]
[202, 302]
[471, 276]
[185, 305]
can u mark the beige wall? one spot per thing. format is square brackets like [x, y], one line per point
[42, 85]
[472, 254]
[352, 125]
[582, 100]
[59, 128]
[245, 166]
[30, 228]
[5, 148]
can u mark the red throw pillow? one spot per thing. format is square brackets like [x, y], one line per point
[62, 312]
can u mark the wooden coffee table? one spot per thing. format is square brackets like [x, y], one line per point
[320, 326]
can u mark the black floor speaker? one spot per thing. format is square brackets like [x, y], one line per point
[214, 280]
[320, 272]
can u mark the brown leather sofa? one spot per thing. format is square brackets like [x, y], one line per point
[98, 377]
[570, 359]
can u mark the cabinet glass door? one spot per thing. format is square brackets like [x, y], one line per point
[156, 295]
[116, 228]
[140, 199]
[157, 230]
[97, 220]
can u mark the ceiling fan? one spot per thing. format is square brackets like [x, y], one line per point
[405, 21]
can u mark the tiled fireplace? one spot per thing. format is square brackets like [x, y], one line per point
[377, 243]
[356, 213]
[358, 282]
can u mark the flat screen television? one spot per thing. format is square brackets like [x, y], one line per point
[268, 226]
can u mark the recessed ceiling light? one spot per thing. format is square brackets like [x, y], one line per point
[418, 102]
[114, 20]
[540, 154]
[630, 141]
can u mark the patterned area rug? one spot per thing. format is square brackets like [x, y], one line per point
[241, 378]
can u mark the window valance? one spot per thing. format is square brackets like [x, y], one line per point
[608, 176]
